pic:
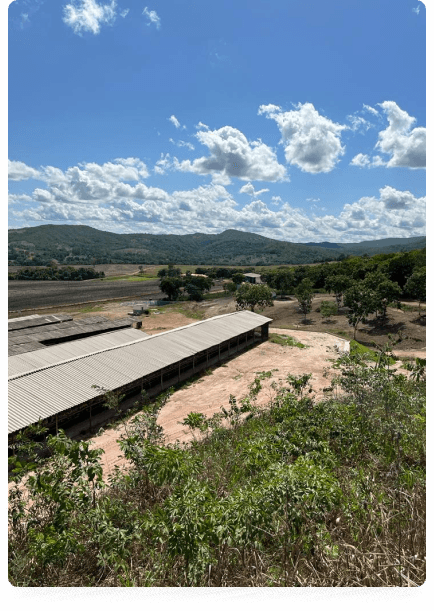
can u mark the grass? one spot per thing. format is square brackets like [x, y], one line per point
[339, 332]
[285, 340]
[356, 348]
[137, 278]
[91, 309]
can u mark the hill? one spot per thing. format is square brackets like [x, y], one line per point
[80, 244]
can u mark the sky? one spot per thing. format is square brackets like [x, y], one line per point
[298, 120]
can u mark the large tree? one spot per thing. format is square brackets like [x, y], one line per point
[252, 295]
[171, 286]
[196, 286]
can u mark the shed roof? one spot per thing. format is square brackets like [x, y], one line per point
[59, 386]
[252, 275]
[30, 361]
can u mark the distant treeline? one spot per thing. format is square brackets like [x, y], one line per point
[54, 273]
[396, 267]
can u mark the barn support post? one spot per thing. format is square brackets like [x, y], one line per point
[179, 371]
[90, 418]
[161, 380]
[57, 426]
[219, 351]
[264, 331]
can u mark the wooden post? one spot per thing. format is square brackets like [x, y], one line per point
[90, 418]
[179, 371]
[57, 426]
[161, 380]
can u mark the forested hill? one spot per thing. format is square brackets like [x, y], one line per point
[79, 244]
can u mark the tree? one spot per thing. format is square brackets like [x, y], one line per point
[362, 301]
[196, 286]
[328, 309]
[229, 287]
[304, 296]
[171, 286]
[416, 285]
[170, 271]
[238, 277]
[385, 289]
[338, 285]
[252, 295]
[283, 280]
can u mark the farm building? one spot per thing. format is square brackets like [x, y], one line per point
[253, 278]
[63, 385]
[36, 333]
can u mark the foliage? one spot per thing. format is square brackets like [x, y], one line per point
[338, 284]
[296, 493]
[415, 286]
[304, 295]
[328, 309]
[362, 301]
[54, 273]
[285, 340]
[253, 295]
[171, 286]
[196, 286]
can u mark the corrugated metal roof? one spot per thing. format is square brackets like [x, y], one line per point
[253, 275]
[24, 363]
[24, 318]
[57, 387]
[38, 321]
[71, 328]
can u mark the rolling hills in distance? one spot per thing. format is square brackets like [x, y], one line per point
[80, 244]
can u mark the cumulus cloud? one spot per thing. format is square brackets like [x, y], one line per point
[88, 15]
[312, 142]
[175, 122]
[97, 194]
[124, 13]
[250, 190]
[364, 161]
[201, 125]
[406, 146]
[359, 124]
[153, 17]
[182, 143]
[232, 155]
[18, 170]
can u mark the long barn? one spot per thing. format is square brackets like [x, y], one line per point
[57, 390]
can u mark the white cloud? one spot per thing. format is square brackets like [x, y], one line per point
[406, 146]
[201, 125]
[416, 10]
[359, 124]
[313, 199]
[124, 13]
[232, 155]
[312, 142]
[104, 196]
[18, 170]
[88, 15]
[163, 164]
[250, 190]
[371, 110]
[153, 17]
[364, 161]
[175, 122]
[182, 143]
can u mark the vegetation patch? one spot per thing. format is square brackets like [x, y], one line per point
[296, 493]
[285, 340]
[371, 355]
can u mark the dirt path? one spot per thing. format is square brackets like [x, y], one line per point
[212, 391]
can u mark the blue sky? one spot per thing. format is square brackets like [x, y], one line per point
[301, 121]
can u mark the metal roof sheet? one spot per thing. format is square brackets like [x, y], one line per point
[50, 355]
[37, 321]
[59, 386]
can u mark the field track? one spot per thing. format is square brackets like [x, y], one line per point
[29, 294]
